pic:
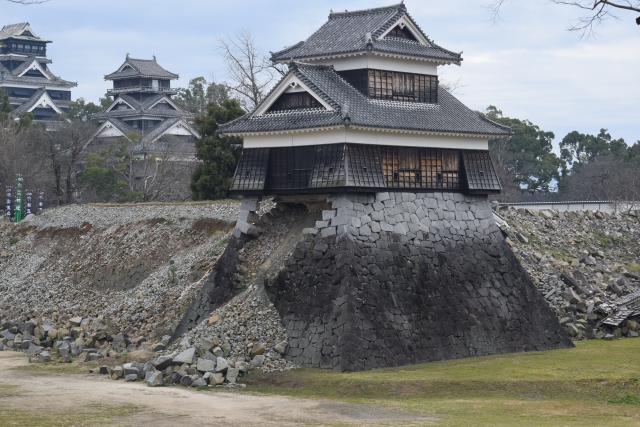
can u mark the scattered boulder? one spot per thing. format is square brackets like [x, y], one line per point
[155, 379]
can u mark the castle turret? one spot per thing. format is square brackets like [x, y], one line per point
[25, 76]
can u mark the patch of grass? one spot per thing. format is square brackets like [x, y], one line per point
[626, 399]
[9, 390]
[634, 268]
[13, 241]
[74, 367]
[93, 415]
[604, 240]
[562, 387]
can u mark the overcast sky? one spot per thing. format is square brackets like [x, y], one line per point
[528, 65]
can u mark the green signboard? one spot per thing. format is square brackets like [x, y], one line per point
[17, 215]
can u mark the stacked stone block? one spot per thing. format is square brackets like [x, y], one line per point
[397, 278]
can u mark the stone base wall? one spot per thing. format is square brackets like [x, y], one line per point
[401, 278]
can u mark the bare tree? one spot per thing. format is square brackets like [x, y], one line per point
[452, 86]
[251, 74]
[63, 150]
[20, 155]
[599, 12]
[144, 166]
[603, 178]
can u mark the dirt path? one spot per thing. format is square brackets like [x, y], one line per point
[177, 406]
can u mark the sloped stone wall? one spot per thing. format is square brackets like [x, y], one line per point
[401, 278]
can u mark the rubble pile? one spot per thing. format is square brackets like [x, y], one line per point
[585, 263]
[243, 334]
[113, 278]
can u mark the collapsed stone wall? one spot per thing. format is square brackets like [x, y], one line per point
[262, 239]
[400, 278]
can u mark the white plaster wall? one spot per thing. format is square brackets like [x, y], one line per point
[379, 62]
[365, 137]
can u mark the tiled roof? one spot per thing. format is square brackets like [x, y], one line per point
[142, 109]
[7, 77]
[120, 125]
[447, 116]
[159, 129]
[141, 68]
[26, 64]
[30, 103]
[20, 57]
[14, 31]
[153, 134]
[345, 33]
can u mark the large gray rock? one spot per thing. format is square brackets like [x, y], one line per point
[207, 344]
[186, 356]
[199, 383]
[222, 365]
[44, 357]
[257, 361]
[155, 379]
[257, 349]
[163, 363]
[131, 377]
[205, 365]
[216, 379]
[232, 375]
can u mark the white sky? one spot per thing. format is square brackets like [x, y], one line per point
[528, 65]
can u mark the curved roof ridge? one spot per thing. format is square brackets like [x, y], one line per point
[397, 6]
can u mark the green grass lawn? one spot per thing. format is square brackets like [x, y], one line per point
[594, 384]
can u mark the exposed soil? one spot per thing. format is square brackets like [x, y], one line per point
[176, 406]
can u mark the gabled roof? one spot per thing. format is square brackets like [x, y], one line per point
[142, 109]
[353, 108]
[141, 68]
[365, 31]
[8, 77]
[164, 126]
[32, 61]
[153, 135]
[17, 31]
[39, 97]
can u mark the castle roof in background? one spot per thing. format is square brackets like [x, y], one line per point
[349, 106]
[13, 77]
[21, 31]
[362, 31]
[148, 68]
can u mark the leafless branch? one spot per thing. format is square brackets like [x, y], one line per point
[452, 86]
[27, 2]
[600, 11]
[251, 74]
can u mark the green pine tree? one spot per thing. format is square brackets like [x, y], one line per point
[211, 180]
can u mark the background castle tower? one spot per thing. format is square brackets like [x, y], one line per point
[25, 76]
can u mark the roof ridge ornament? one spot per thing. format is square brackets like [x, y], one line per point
[368, 40]
[346, 117]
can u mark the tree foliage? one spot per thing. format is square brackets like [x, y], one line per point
[80, 109]
[5, 107]
[199, 94]
[211, 180]
[527, 154]
[578, 148]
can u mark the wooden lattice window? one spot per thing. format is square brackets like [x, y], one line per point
[432, 168]
[359, 79]
[402, 86]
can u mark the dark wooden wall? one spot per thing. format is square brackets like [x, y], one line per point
[288, 169]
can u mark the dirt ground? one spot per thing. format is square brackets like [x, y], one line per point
[177, 406]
